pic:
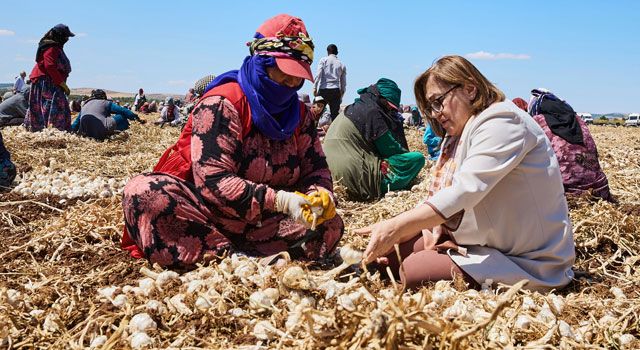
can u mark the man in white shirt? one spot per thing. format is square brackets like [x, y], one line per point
[331, 81]
[19, 84]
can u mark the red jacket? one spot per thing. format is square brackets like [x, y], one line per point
[54, 64]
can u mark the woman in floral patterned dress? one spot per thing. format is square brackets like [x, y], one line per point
[572, 143]
[257, 167]
[48, 105]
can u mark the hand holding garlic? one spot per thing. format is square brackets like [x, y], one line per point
[321, 207]
[292, 204]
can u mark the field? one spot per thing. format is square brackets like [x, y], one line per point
[65, 282]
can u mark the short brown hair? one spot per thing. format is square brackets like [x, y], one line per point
[455, 70]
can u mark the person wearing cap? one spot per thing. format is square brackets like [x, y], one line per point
[48, 105]
[331, 80]
[19, 84]
[257, 181]
[170, 113]
[101, 118]
[366, 147]
[321, 112]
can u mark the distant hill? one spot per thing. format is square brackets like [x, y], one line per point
[5, 85]
[124, 95]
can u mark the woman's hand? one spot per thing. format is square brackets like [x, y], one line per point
[384, 235]
[399, 229]
[320, 198]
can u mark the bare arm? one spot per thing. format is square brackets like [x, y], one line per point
[398, 229]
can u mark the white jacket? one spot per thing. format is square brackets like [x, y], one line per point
[515, 221]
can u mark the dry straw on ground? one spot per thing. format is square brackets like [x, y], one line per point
[65, 283]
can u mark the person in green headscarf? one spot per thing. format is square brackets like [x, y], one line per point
[366, 147]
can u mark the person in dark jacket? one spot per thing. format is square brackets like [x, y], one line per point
[96, 120]
[7, 168]
[48, 105]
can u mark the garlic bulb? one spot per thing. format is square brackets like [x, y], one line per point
[264, 299]
[155, 307]
[140, 340]
[545, 315]
[50, 324]
[617, 293]
[458, 310]
[296, 278]
[146, 285]
[142, 322]
[36, 313]
[350, 256]
[557, 303]
[487, 285]
[523, 322]
[237, 312]
[202, 303]
[626, 340]
[528, 304]
[565, 330]
[194, 286]
[120, 301]
[14, 297]
[108, 292]
[165, 277]
[98, 341]
[177, 302]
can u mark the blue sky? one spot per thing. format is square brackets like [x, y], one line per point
[587, 52]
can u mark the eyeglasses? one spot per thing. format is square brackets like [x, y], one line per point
[438, 104]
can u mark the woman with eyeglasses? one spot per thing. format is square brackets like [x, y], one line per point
[248, 173]
[366, 147]
[495, 208]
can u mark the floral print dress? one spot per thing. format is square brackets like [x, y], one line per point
[230, 204]
[579, 164]
[48, 105]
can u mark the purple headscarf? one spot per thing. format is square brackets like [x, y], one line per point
[275, 109]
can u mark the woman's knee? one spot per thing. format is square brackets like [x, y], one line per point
[427, 266]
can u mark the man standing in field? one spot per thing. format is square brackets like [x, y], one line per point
[19, 84]
[331, 81]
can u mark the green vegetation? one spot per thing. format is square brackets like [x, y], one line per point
[604, 120]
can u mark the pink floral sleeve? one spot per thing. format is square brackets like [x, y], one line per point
[216, 152]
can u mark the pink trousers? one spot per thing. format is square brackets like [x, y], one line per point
[421, 265]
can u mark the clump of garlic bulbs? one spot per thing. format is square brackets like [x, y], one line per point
[67, 184]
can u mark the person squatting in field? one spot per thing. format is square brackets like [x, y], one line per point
[101, 118]
[248, 172]
[495, 208]
[366, 147]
